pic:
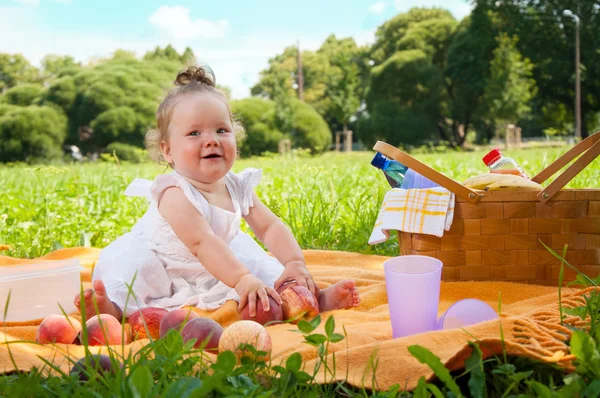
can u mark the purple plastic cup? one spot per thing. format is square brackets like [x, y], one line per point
[464, 313]
[413, 291]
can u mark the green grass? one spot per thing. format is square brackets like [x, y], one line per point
[330, 202]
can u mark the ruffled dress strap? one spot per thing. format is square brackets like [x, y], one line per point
[243, 185]
[164, 181]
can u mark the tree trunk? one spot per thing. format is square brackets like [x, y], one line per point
[584, 128]
[443, 134]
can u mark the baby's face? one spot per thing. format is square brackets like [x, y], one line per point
[201, 144]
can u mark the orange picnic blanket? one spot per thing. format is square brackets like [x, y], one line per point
[529, 320]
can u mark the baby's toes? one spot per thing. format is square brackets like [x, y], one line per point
[355, 297]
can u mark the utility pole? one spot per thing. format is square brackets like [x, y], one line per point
[300, 75]
[577, 84]
[577, 76]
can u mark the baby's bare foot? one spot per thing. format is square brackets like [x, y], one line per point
[103, 302]
[339, 296]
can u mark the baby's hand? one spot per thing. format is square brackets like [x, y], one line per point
[296, 270]
[249, 287]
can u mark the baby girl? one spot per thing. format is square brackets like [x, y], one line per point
[187, 249]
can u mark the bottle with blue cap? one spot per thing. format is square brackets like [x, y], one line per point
[400, 176]
[393, 170]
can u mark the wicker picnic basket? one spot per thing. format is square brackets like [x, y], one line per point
[498, 235]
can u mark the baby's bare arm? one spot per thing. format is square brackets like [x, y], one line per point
[276, 236]
[196, 234]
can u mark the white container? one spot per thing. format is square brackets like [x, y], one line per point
[38, 290]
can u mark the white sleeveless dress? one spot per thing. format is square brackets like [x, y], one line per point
[166, 273]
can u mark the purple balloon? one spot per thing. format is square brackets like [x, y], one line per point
[464, 313]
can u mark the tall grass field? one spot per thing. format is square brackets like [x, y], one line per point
[329, 202]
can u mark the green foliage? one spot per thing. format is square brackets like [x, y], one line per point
[115, 124]
[4, 108]
[344, 90]
[31, 133]
[257, 117]
[15, 69]
[119, 86]
[403, 100]
[23, 94]
[170, 54]
[389, 36]
[310, 131]
[468, 64]
[57, 66]
[510, 86]
[547, 38]
[334, 81]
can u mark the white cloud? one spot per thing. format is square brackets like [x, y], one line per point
[458, 8]
[176, 22]
[377, 8]
[34, 3]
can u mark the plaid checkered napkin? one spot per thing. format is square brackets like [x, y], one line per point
[423, 211]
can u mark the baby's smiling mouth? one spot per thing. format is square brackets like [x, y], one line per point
[211, 156]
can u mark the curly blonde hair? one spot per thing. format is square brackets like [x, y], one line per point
[196, 79]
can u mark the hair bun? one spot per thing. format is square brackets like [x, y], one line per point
[200, 74]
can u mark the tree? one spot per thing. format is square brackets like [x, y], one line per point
[510, 86]
[23, 94]
[170, 54]
[115, 125]
[32, 132]
[56, 66]
[310, 129]
[409, 79]
[14, 68]
[344, 91]
[466, 75]
[547, 38]
[389, 36]
[334, 79]
[403, 99]
[257, 115]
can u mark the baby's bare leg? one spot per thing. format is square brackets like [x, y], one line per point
[99, 295]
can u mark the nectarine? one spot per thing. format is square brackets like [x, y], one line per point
[175, 319]
[246, 332]
[152, 316]
[92, 364]
[298, 303]
[57, 329]
[105, 329]
[202, 329]
[274, 315]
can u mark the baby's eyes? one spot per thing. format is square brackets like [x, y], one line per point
[196, 133]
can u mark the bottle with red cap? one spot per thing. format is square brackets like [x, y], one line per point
[502, 165]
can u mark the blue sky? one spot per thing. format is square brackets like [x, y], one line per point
[235, 37]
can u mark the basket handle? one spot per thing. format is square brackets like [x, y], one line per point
[591, 147]
[394, 153]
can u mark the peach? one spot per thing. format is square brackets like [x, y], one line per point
[93, 364]
[202, 329]
[285, 286]
[298, 303]
[274, 315]
[105, 329]
[58, 329]
[175, 319]
[152, 316]
[246, 332]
